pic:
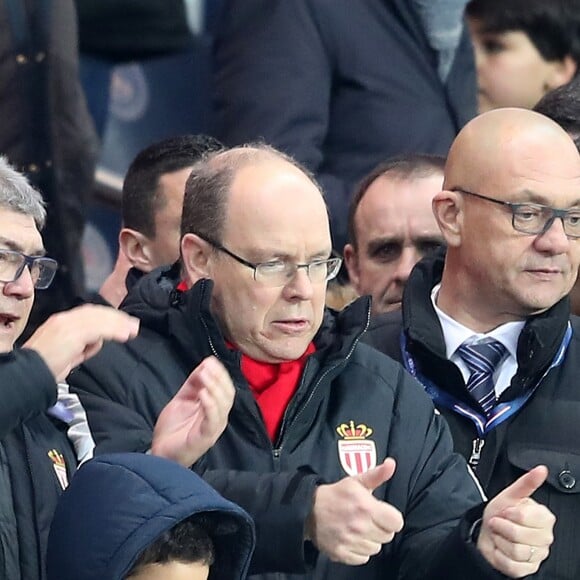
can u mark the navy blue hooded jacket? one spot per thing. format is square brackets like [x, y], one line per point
[119, 504]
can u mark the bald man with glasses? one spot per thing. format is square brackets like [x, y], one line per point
[486, 327]
[334, 451]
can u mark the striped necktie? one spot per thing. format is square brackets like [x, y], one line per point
[482, 360]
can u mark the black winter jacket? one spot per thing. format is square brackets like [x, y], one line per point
[38, 460]
[346, 386]
[545, 431]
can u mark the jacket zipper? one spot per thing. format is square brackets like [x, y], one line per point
[214, 351]
[277, 451]
[476, 448]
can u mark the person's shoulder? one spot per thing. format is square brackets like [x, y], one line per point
[384, 331]
[393, 319]
[376, 368]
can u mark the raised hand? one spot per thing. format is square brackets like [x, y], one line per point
[196, 416]
[517, 532]
[69, 338]
[348, 523]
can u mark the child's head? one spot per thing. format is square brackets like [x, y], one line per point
[184, 551]
[134, 516]
[523, 48]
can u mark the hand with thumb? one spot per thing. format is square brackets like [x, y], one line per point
[516, 531]
[380, 474]
[348, 523]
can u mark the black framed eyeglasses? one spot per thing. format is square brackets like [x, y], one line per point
[534, 218]
[280, 272]
[42, 269]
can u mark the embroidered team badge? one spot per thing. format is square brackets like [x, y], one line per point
[356, 452]
[59, 466]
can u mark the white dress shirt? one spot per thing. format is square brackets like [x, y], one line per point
[455, 334]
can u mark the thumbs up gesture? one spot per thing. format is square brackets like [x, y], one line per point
[348, 523]
[517, 532]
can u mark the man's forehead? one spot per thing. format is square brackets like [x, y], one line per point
[538, 182]
[275, 190]
[19, 232]
[398, 195]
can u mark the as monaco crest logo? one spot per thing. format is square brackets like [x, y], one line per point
[357, 454]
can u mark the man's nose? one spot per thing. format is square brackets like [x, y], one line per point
[407, 260]
[554, 238]
[23, 285]
[300, 286]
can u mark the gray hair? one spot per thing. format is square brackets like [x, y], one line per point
[16, 194]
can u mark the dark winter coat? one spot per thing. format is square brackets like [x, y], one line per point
[545, 431]
[36, 461]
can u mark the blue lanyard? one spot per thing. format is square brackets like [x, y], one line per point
[501, 412]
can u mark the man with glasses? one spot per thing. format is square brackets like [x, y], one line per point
[318, 418]
[42, 440]
[487, 329]
[36, 456]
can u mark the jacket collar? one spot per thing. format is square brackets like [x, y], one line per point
[538, 343]
[187, 318]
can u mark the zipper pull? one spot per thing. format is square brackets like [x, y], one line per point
[477, 446]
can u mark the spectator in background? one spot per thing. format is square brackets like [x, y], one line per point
[523, 49]
[563, 106]
[145, 518]
[391, 227]
[343, 85]
[152, 201]
[46, 131]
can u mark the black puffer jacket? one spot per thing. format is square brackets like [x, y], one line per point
[36, 461]
[345, 387]
[546, 430]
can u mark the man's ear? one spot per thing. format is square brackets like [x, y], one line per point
[351, 263]
[136, 246]
[447, 208]
[562, 72]
[195, 256]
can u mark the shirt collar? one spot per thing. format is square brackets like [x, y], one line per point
[455, 333]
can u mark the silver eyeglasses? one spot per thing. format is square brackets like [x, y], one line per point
[280, 272]
[534, 218]
[42, 269]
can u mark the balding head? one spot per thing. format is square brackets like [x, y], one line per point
[507, 141]
[494, 271]
[208, 188]
[267, 249]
